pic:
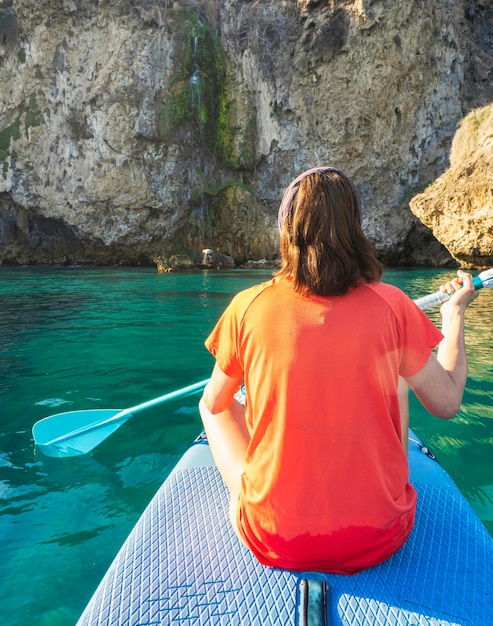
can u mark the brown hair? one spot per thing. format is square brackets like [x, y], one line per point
[324, 250]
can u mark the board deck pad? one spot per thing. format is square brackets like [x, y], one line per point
[183, 565]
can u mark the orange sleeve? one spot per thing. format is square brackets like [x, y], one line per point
[420, 337]
[418, 334]
[223, 341]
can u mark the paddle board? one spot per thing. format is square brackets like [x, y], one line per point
[182, 564]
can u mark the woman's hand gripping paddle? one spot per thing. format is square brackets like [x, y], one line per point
[485, 279]
[77, 432]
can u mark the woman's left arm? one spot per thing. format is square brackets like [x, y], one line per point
[224, 422]
[220, 390]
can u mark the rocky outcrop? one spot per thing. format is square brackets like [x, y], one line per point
[132, 129]
[211, 259]
[175, 262]
[458, 206]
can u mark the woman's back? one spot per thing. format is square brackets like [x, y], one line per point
[325, 457]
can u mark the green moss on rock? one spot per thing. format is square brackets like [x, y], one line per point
[30, 115]
[200, 97]
[33, 115]
[6, 136]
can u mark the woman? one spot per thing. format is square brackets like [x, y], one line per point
[315, 463]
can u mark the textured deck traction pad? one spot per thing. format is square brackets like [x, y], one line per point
[183, 565]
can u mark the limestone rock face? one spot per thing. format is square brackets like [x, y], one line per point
[132, 129]
[458, 206]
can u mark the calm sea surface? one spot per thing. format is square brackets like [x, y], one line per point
[113, 338]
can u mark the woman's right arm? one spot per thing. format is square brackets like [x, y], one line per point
[440, 383]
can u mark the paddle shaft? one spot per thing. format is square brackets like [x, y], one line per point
[179, 393]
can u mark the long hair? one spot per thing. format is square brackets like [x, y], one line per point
[324, 250]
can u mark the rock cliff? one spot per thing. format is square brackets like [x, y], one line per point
[131, 129]
[458, 206]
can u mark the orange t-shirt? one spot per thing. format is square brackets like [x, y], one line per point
[325, 484]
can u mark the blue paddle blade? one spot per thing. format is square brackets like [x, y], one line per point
[78, 432]
[75, 432]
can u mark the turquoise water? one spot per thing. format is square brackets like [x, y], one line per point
[113, 338]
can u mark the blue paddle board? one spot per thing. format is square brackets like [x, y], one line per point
[183, 565]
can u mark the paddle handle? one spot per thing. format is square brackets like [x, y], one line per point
[437, 298]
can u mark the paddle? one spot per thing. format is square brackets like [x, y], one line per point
[485, 279]
[77, 432]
